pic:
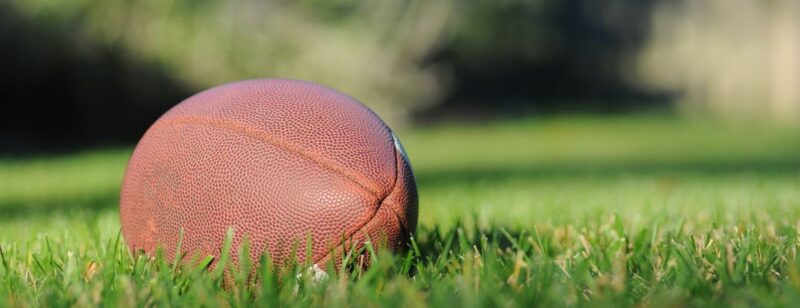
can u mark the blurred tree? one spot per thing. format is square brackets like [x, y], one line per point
[547, 55]
[370, 50]
[60, 89]
[116, 65]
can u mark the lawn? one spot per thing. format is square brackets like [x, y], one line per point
[631, 210]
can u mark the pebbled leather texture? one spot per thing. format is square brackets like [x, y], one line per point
[279, 161]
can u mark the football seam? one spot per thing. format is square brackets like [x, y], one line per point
[279, 143]
[282, 144]
[350, 237]
[355, 232]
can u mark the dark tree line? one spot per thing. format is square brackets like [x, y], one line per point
[504, 57]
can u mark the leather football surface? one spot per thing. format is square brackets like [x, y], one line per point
[282, 163]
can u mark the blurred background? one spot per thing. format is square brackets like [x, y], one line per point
[513, 112]
[659, 130]
[85, 73]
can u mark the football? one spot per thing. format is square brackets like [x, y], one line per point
[281, 163]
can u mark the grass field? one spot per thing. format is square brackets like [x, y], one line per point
[623, 211]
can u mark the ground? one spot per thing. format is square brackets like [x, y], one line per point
[641, 210]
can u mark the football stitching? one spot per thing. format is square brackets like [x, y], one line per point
[263, 136]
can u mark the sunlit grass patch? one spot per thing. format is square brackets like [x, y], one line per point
[615, 211]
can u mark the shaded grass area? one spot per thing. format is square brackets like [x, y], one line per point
[571, 211]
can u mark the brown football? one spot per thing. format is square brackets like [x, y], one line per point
[282, 163]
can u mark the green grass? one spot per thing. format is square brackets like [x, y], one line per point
[626, 211]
